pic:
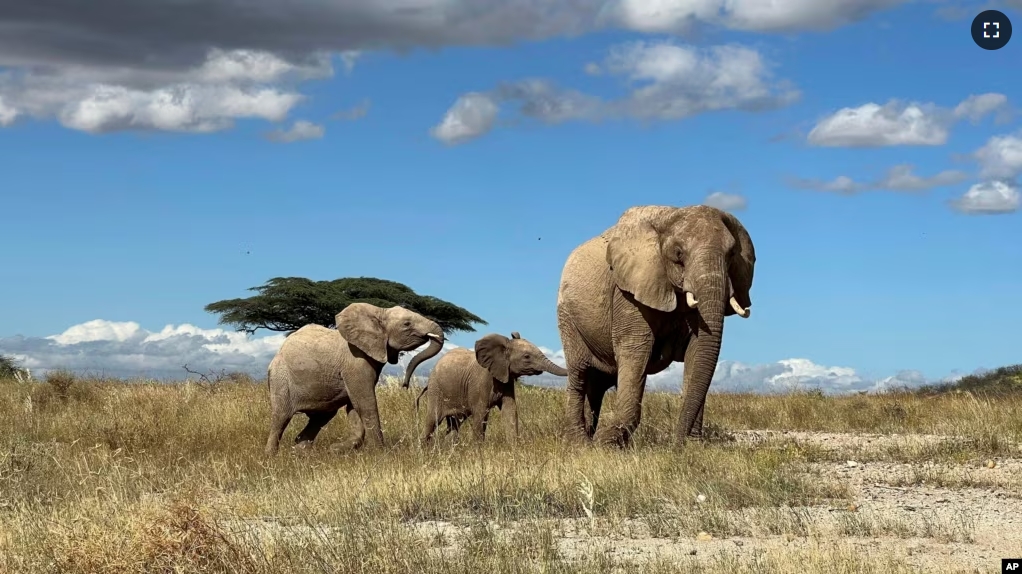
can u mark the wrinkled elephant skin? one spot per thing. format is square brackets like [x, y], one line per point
[320, 371]
[652, 290]
[466, 383]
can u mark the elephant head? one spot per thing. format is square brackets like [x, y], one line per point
[508, 359]
[658, 253]
[383, 333]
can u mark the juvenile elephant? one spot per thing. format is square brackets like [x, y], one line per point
[319, 371]
[468, 384]
[620, 319]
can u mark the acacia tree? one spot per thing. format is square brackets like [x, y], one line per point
[285, 304]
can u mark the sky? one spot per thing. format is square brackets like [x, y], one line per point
[157, 157]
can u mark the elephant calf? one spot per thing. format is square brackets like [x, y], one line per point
[320, 371]
[468, 384]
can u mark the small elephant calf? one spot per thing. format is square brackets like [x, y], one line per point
[469, 384]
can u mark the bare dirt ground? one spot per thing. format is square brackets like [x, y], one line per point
[933, 517]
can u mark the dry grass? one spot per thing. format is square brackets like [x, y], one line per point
[115, 477]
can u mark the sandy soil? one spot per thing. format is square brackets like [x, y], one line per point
[966, 517]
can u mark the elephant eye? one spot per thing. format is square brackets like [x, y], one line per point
[408, 323]
[528, 356]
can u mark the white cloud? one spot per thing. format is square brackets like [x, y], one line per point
[988, 198]
[181, 108]
[299, 131]
[901, 178]
[726, 201]
[899, 123]
[7, 113]
[666, 80]
[898, 178]
[978, 106]
[670, 16]
[125, 349]
[841, 184]
[1000, 157]
[471, 116]
[227, 86]
[872, 125]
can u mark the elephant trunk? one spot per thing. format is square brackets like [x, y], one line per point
[704, 348]
[553, 368]
[436, 343]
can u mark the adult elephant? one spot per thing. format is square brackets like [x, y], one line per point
[319, 371]
[620, 319]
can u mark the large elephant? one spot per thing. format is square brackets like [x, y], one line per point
[469, 384]
[620, 319]
[319, 371]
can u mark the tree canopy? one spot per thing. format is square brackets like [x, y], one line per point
[9, 367]
[287, 303]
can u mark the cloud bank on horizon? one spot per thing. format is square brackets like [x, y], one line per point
[126, 350]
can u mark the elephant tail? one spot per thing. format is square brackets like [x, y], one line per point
[422, 392]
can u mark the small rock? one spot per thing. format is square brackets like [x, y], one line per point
[851, 464]
[991, 464]
[703, 536]
[701, 498]
[852, 507]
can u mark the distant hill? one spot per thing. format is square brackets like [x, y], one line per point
[1002, 381]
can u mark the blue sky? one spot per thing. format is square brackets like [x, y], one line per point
[845, 136]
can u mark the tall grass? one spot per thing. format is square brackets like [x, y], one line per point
[110, 476]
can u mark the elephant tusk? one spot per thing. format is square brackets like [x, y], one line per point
[743, 312]
[435, 337]
[691, 300]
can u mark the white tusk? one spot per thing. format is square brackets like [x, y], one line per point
[744, 313]
[435, 337]
[691, 300]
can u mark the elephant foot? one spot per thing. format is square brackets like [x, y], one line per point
[612, 436]
[577, 436]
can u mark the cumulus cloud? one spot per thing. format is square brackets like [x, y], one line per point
[300, 130]
[125, 349]
[225, 87]
[7, 113]
[666, 81]
[898, 178]
[841, 184]
[988, 198]
[673, 16]
[726, 201]
[1000, 157]
[471, 116]
[154, 46]
[1000, 164]
[898, 123]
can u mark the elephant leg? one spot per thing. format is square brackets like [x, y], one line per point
[278, 424]
[363, 402]
[594, 395]
[633, 345]
[355, 420]
[429, 425]
[479, 421]
[317, 420]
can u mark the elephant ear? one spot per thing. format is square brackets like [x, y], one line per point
[360, 325]
[633, 253]
[742, 261]
[492, 352]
